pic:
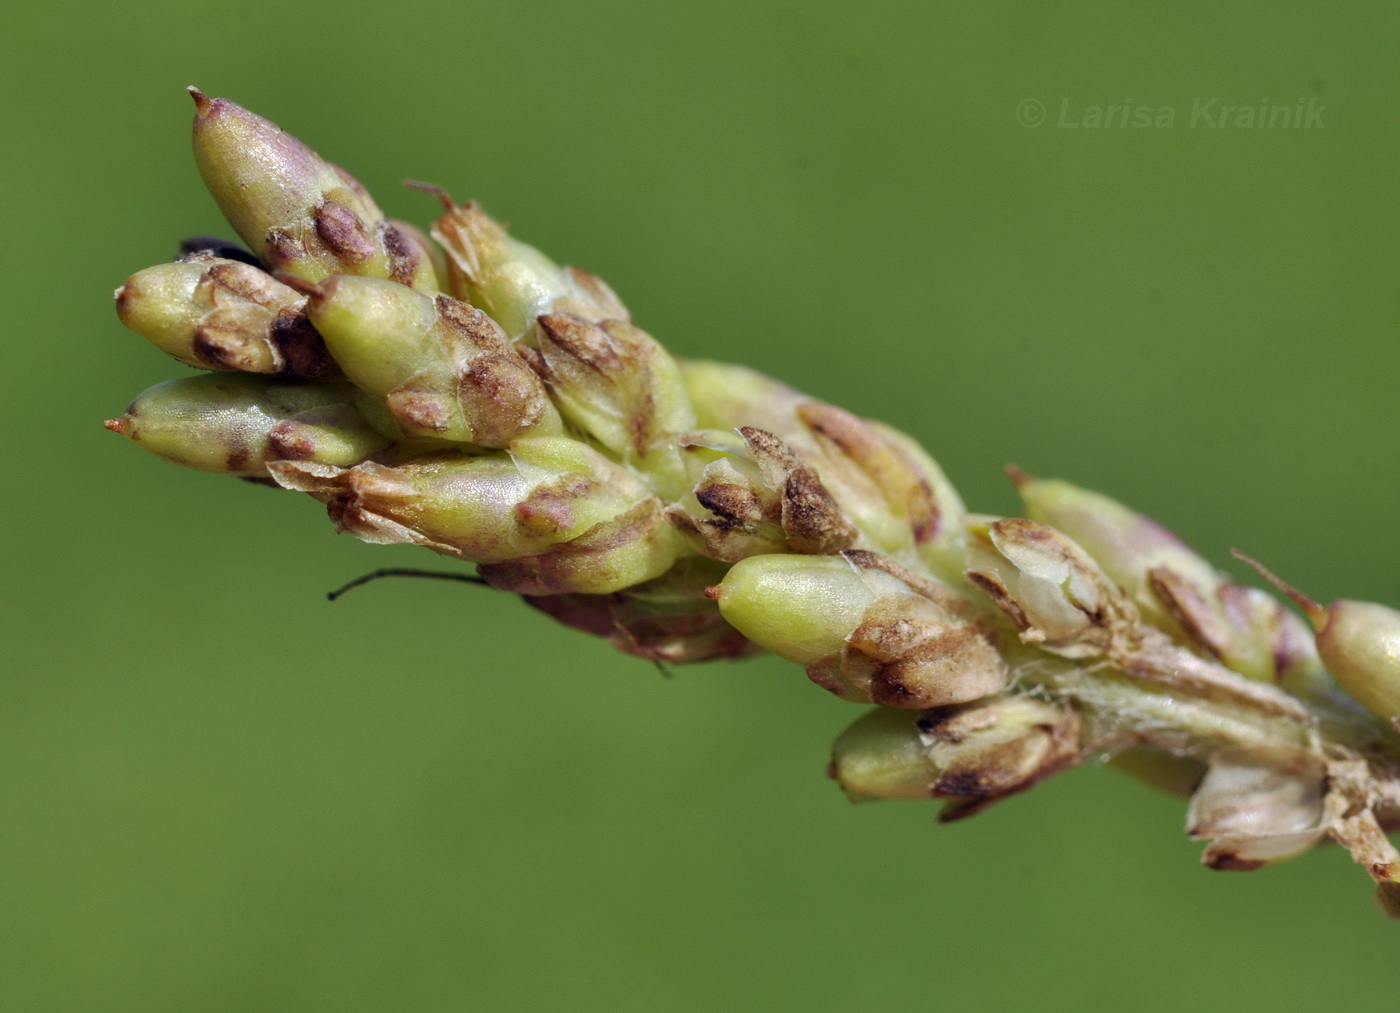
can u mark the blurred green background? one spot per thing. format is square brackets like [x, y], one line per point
[220, 792]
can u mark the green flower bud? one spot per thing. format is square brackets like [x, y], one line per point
[976, 754]
[618, 385]
[223, 314]
[299, 213]
[1175, 589]
[235, 424]
[758, 497]
[726, 396]
[550, 516]
[1259, 808]
[1358, 641]
[510, 280]
[940, 536]
[1049, 587]
[865, 628]
[899, 499]
[443, 368]
[1360, 644]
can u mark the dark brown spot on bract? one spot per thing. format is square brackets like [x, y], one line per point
[343, 231]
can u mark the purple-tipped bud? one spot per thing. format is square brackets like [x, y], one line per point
[298, 212]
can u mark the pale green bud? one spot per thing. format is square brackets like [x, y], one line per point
[443, 368]
[550, 516]
[235, 424]
[977, 753]
[1259, 808]
[223, 314]
[899, 498]
[299, 213]
[1360, 644]
[865, 628]
[726, 396]
[510, 280]
[940, 537]
[618, 385]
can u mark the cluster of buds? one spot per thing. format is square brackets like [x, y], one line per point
[465, 393]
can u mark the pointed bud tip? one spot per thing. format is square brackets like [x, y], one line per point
[1315, 612]
[202, 102]
[1018, 477]
[117, 426]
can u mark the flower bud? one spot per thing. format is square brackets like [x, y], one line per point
[865, 628]
[899, 498]
[759, 497]
[669, 619]
[726, 396]
[976, 753]
[618, 385]
[1360, 644]
[1358, 641]
[510, 280]
[1175, 589]
[443, 368]
[223, 314]
[1258, 808]
[1048, 586]
[235, 423]
[300, 214]
[548, 517]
